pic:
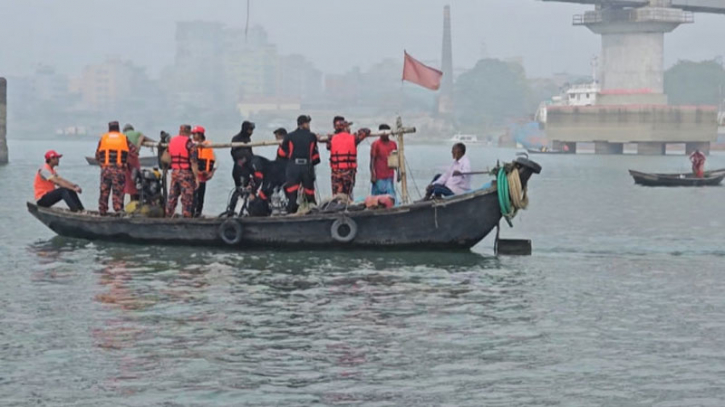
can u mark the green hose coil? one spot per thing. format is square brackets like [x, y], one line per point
[504, 199]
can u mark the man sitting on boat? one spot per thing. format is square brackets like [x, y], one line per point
[50, 187]
[698, 163]
[456, 180]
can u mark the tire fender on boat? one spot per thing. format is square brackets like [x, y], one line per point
[344, 230]
[231, 231]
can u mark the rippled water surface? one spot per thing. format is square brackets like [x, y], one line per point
[621, 304]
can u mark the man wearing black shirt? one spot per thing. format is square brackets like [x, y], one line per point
[300, 148]
[242, 155]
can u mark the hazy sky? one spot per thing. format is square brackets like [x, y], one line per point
[335, 34]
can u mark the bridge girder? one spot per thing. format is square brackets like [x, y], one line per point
[698, 6]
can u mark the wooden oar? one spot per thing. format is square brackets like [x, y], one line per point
[473, 173]
[323, 139]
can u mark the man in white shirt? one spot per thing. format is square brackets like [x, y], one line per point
[456, 180]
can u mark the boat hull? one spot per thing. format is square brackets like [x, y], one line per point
[533, 151]
[455, 223]
[710, 178]
[146, 162]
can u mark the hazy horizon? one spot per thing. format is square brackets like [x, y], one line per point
[336, 36]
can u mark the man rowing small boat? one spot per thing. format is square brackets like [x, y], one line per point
[698, 163]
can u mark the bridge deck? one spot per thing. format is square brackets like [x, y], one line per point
[698, 6]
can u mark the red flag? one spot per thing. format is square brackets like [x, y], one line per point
[421, 74]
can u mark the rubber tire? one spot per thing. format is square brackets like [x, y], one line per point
[525, 162]
[237, 228]
[335, 230]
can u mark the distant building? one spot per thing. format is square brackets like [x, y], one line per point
[218, 66]
[47, 85]
[109, 84]
[298, 78]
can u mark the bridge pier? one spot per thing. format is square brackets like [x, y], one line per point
[605, 147]
[3, 121]
[704, 147]
[651, 148]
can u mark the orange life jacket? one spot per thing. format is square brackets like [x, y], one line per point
[179, 153]
[343, 152]
[43, 186]
[113, 149]
[206, 158]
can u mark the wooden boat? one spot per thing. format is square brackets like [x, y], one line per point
[458, 222]
[146, 161]
[534, 151]
[710, 178]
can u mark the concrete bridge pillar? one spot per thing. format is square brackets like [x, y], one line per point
[651, 148]
[703, 146]
[633, 44]
[605, 147]
[3, 121]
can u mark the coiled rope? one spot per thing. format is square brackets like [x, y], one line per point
[511, 194]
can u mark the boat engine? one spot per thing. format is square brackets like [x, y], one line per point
[149, 185]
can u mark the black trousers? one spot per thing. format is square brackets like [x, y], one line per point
[68, 195]
[198, 204]
[296, 175]
[241, 175]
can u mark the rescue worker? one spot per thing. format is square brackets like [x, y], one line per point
[50, 188]
[343, 156]
[184, 168]
[268, 177]
[382, 176]
[698, 163]
[134, 165]
[112, 155]
[300, 148]
[242, 155]
[207, 166]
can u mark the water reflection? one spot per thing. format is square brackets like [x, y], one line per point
[297, 323]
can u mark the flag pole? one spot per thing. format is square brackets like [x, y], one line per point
[402, 170]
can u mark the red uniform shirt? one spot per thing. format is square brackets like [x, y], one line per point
[379, 153]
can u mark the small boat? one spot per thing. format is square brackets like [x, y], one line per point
[464, 138]
[535, 151]
[457, 222]
[146, 161]
[710, 178]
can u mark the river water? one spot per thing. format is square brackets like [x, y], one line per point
[621, 304]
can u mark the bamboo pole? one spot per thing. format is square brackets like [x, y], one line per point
[321, 139]
[402, 170]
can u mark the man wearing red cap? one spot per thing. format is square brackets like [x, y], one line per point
[50, 187]
[206, 160]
